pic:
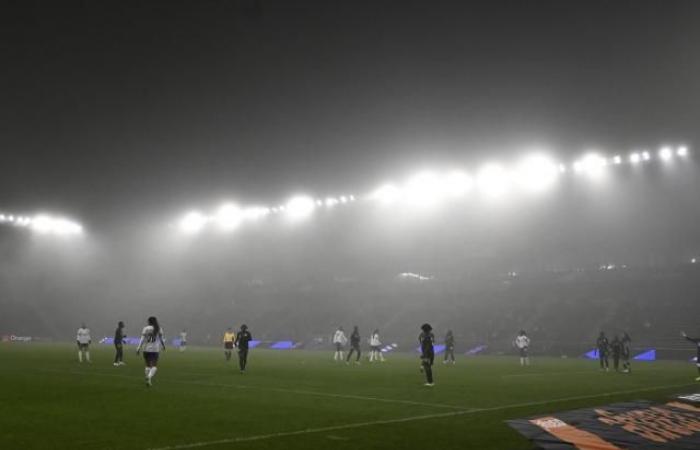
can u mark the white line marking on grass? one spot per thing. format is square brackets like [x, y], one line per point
[260, 437]
[281, 390]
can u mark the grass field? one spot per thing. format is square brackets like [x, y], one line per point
[295, 399]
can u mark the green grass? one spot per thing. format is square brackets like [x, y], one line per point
[296, 399]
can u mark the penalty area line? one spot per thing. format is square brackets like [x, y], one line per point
[465, 412]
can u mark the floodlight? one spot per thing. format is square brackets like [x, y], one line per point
[386, 194]
[665, 153]
[635, 158]
[617, 159]
[352, 198]
[228, 217]
[331, 201]
[192, 222]
[646, 156]
[50, 225]
[457, 183]
[343, 199]
[536, 173]
[299, 207]
[592, 164]
[255, 212]
[423, 189]
[682, 151]
[319, 202]
[562, 168]
[492, 180]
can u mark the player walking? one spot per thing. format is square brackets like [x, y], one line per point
[229, 338]
[242, 339]
[427, 353]
[522, 342]
[603, 350]
[696, 341]
[183, 340]
[152, 342]
[616, 348]
[626, 353]
[83, 340]
[354, 346]
[375, 353]
[119, 337]
[449, 348]
[339, 341]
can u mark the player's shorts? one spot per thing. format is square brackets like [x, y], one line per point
[83, 347]
[183, 343]
[338, 347]
[523, 352]
[376, 348]
[151, 357]
[228, 345]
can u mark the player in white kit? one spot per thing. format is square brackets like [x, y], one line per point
[183, 340]
[152, 343]
[339, 341]
[375, 344]
[522, 342]
[83, 339]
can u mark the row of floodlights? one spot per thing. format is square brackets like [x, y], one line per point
[43, 224]
[533, 173]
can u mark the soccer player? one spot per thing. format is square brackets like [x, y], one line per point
[354, 346]
[183, 340]
[83, 339]
[119, 337]
[339, 340]
[603, 348]
[427, 356]
[616, 348]
[242, 339]
[522, 342]
[229, 338]
[626, 353]
[375, 353]
[449, 348]
[152, 342]
[696, 341]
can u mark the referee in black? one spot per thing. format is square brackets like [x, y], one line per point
[427, 357]
[242, 339]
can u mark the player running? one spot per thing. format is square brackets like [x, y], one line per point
[449, 348]
[696, 341]
[242, 339]
[522, 342]
[119, 337]
[83, 340]
[183, 340]
[375, 352]
[339, 341]
[603, 350]
[427, 352]
[354, 346]
[152, 342]
[626, 353]
[229, 338]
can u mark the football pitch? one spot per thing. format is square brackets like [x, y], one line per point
[296, 399]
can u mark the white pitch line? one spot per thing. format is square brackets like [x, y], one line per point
[281, 390]
[260, 437]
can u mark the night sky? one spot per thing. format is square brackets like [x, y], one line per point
[114, 111]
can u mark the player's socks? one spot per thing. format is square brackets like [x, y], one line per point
[87, 356]
[152, 372]
[80, 356]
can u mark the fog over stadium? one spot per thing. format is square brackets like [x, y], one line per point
[165, 159]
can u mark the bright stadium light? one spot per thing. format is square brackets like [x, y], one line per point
[682, 151]
[228, 217]
[492, 180]
[331, 202]
[299, 207]
[635, 158]
[536, 173]
[192, 222]
[592, 164]
[343, 199]
[562, 168]
[646, 156]
[423, 189]
[665, 153]
[46, 224]
[457, 183]
[386, 194]
[617, 160]
[254, 212]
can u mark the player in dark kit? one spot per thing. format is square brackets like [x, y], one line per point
[427, 357]
[696, 341]
[354, 345]
[242, 339]
[603, 351]
[616, 348]
[626, 353]
[119, 344]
